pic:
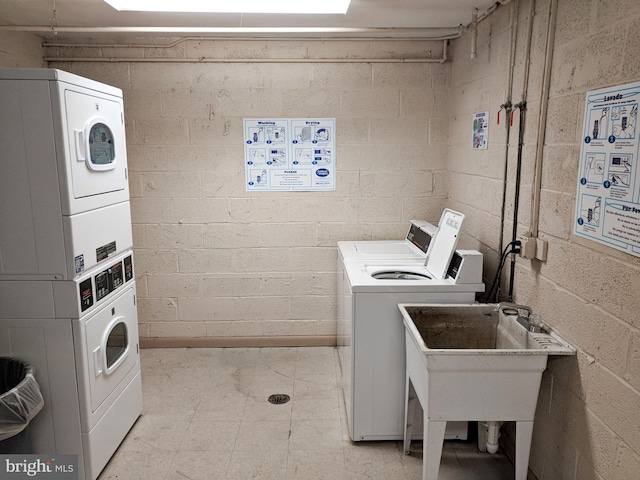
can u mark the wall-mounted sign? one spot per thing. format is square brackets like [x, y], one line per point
[480, 138]
[608, 196]
[290, 154]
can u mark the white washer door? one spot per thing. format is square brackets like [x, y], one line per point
[112, 346]
[97, 147]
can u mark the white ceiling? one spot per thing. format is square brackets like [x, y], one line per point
[362, 14]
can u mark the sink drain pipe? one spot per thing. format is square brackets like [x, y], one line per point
[493, 435]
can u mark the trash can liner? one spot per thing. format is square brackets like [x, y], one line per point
[20, 397]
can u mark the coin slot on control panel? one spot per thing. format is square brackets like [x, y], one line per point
[86, 294]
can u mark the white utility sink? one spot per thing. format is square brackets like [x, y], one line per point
[474, 362]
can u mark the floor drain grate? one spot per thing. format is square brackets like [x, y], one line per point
[279, 398]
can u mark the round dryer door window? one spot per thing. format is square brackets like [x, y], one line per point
[116, 346]
[101, 145]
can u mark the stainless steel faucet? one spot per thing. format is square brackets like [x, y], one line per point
[523, 319]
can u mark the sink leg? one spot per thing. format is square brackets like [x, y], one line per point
[524, 432]
[410, 400]
[432, 448]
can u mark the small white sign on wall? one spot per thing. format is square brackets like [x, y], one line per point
[290, 154]
[480, 137]
[608, 192]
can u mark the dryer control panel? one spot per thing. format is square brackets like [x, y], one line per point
[96, 287]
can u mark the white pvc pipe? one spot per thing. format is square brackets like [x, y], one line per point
[474, 32]
[493, 436]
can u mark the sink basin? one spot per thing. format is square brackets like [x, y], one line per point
[473, 362]
[477, 329]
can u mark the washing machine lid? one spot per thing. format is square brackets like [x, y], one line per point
[444, 244]
[414, 246]
[382, 248]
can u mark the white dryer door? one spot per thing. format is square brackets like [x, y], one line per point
[112, 346]
[95, 126]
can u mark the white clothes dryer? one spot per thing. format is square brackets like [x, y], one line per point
[86, 356]
[371, 333]
[63, 177]
[72, 138]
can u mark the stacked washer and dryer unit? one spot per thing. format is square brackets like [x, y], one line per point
[373, 278]
[67, 285]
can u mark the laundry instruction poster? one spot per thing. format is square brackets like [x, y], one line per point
[608, 195]
[290, 154]
[480, 138]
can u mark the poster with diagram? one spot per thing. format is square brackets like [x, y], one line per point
[290, 154]
[480, 138]
[608, 191]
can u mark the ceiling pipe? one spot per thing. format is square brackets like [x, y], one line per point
[474, 32]
[244, 60]
[443, 59]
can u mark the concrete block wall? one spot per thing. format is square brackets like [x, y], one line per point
[21, 50]
[216, 262]
[588, 420]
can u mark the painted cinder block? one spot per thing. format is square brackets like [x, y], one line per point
[177, 330]
[158, 309]
[163, 131]
[171, 185]
[206, 309]
[156, 261]
[204, 261]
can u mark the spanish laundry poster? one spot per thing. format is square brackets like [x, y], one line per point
[608, 192]
[290, 154]
[480, 136]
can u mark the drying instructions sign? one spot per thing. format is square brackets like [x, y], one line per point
[290, 154]
[608, 195]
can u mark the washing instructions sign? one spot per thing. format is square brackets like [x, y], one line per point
[608, 195]
[290, 154]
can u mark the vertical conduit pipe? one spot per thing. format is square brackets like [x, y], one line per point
[507, 106]
[474, 32]
[542, 120]
[522, 107]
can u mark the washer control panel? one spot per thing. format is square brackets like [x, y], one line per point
[94, 288]
[420, 236]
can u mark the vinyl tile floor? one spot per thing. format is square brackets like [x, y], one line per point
[206, 416]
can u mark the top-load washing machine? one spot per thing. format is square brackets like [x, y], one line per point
[371, 333]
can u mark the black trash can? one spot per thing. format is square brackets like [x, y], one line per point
[20, 402]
